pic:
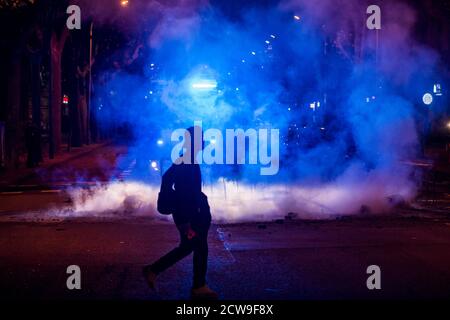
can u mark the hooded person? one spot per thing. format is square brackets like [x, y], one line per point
[191, 214]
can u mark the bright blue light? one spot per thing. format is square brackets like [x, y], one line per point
[427, 99]
[160, 142]
[204, 85]
[437, 89]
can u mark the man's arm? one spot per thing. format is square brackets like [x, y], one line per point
[181, 216]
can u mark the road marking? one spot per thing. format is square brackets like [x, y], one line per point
[222, 238]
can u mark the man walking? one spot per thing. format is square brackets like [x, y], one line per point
[191, 214]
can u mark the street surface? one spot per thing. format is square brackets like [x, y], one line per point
[287, 259]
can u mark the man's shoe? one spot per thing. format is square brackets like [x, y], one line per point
[149, 276]
[204, 293]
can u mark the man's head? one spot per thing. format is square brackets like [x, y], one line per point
[193, 142]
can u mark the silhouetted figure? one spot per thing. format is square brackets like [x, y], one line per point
[191, 214]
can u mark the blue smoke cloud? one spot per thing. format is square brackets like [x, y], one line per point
[344, 111]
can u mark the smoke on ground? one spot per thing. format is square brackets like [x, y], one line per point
[231, 201]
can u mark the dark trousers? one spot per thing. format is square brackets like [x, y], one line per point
[198, 245]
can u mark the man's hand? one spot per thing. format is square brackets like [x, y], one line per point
[188, 232]
[191, 234]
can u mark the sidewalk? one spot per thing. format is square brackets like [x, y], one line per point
[12, 177]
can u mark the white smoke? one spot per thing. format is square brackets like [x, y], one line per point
[354, 192]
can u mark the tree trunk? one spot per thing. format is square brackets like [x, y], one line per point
[12, 114]
[56, 48]
[36, 98]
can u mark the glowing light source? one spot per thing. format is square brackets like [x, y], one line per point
[154, 165]
[297, 17]
[204, 85]
[427, 99]
[437, 89]
[124, 3]
[160, 142]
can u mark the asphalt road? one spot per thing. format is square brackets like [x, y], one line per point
[293, 260]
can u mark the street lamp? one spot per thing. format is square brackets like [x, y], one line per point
[204, 84]
[124, 3]
[427, 99]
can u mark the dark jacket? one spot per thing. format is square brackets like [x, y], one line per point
[191, 205]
